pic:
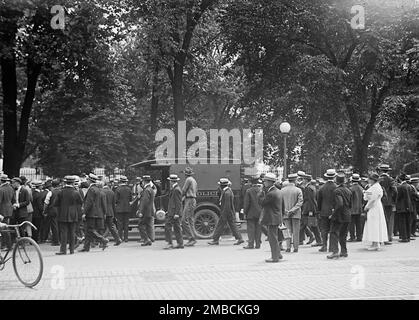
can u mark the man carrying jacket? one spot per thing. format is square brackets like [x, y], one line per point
[174, 214]
[146, 211]
[388, 201]
[252, 209]
[340, 218]
[356, 224]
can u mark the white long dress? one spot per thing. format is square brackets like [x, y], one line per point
[375, 229]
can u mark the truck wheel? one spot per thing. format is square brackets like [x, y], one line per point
[205, 221]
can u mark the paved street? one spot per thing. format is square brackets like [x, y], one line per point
[223, 272]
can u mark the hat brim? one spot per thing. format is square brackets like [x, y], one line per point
[177, 179]
[330, 176]
[268, 179]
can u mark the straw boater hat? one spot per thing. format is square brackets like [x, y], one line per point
[188, 171]
[69, 179]
[330, 173]
[293, 176]
[92, 177]
[269, 177]
[374, 176]
[123, 179]
[173, 177]
[147, 178]
[16, 179]
[223, 182]
[301, 174]
[355, 178]
[4, 177]
[384, 167]
[414, 179]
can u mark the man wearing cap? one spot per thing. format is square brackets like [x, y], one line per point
[404, 208]
[38, 197]
[389, 200]
[20, 203]
[6, 207]
[271, 215]
[123, 198]
[51, 212]
[340, 218]
[325, 203]
[146, 211]
[68, 202]
[292, 199]
[189, 190]
[110, 213]
[174, 214]
[356, 224]
[94, 215]
[415, 198]
[252, 210]
[227, 214]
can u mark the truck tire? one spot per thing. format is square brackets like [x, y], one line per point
[205, 221]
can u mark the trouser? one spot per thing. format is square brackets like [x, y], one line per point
[38, 223]
[5, 235]
[310, 231]
[146, 226]
[187, 218]
[396, 224]
[293, 225]
[112, 229]
[413, 223]
[93, 226]
[173, 224]
[254, 232]
[80, 229]
[50, 223]
[356, 227]
[338, 233]
[324, 223]
[123, 223]
[229, 220]
[273, 242]
[404, 225]
[389, 214]
[67, 235]
[264, 230]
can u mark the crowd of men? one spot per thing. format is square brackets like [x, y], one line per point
[83, 211]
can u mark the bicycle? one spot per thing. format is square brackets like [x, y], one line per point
[27, 259]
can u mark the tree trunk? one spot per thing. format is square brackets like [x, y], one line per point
[154, 100]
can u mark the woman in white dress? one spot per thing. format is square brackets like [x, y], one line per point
[375, 229]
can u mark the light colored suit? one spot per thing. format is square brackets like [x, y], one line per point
[292, 201]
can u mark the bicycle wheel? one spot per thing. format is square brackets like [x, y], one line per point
[27, 262]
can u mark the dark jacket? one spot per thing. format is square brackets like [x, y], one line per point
[7, 196]
[357, 199]
[404, 201]
[309, 200]
[93, 206]
[146, 207]
[38, 197]
[390, 189]
[123, 197]
[227, 203]
[51, 209]
[326, 198]
[110, 202]
[24, 200]
[175, 202]
[68, 203]
[272, 207]
[342, 204]
[252, 202]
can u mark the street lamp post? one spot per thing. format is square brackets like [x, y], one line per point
[285, 129]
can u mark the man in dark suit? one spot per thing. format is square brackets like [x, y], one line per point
[21, 202]
[123, 198]
[6, 207]
[110, 213]
[340, 218]
[227, 214]
[67, 202]
[389, 200]
[94, 214]
[38, 197]
[50, 213]
[271, 216]
[404, 208]
[414, 184]
[356, 224]
[174, 214]
[252, 209]
[146, 211]
[325, 202]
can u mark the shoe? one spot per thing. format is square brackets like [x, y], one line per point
[288, 250]
[333, 256]
[126, 240]
[350, 240]
[412, 238]
[71, 252]
[84, 250]
[271, 261]
[343, 255]
[104, 244]
[213, 243]
[60, 253]
[117, 243]
[310, 241]
[373, 248]
[190, 243]
[295, 250]
[248, 247]
[323, 249]
[330, 250]
[387, 243]
[55, 244]
[317, 245]
[257, 247]
[148, 243]
[358, 240]
[168, 247]
[179, 247]
[239, 242]
[301, 243]
[404, 240]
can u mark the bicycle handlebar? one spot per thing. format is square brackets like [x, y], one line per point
[19, 225]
